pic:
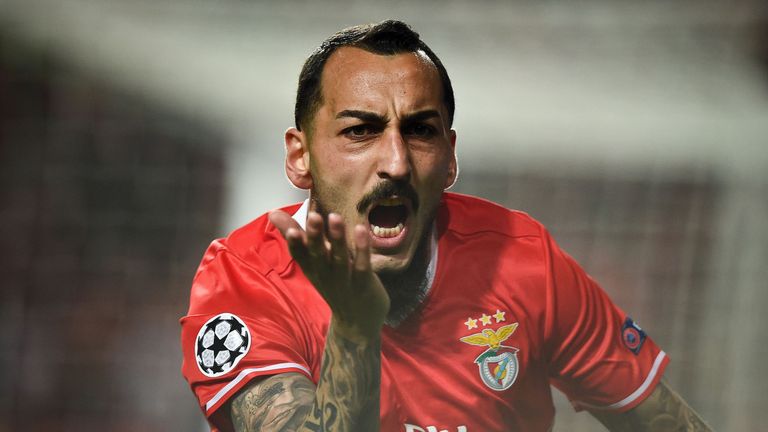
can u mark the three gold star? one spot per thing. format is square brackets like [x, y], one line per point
[485, 319]
[499, 315]
[471, 323]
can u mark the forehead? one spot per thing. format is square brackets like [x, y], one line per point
[355, 77]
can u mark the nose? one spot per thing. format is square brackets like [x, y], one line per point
[395, 157]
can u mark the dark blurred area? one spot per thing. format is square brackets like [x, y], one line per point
[106, 203]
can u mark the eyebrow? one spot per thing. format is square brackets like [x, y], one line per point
[367, 116]
[372, 117]
[421, 116]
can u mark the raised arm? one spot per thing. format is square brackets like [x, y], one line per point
[347, 394]
[663, 411]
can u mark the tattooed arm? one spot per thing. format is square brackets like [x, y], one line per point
[346, 399]
[276, 403]
[347, 395]
[663, 411]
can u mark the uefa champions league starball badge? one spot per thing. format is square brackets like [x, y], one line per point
[221, 342]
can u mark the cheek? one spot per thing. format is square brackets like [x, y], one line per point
[336, 190]
[434, 169]
[341, 167]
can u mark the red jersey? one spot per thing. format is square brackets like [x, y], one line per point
[508, 313]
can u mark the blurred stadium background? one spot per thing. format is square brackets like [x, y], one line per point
[133, 133]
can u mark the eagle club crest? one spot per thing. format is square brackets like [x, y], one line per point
[497, 365]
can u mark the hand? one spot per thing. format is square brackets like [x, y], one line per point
[354, 293]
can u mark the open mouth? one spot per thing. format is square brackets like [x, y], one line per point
[387, 217]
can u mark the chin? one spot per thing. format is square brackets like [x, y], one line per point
[389, 264]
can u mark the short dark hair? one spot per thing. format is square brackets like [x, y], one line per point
[385, 38]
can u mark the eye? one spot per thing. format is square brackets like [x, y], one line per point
[358, 131]
[421, 130]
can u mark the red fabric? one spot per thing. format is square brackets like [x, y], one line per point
[492, 263]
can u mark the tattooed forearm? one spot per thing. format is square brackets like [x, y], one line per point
[663, 411]
[278, 403]
[348, 391]
[346, 398]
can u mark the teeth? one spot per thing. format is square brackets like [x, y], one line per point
[387, 232]
[390, 202]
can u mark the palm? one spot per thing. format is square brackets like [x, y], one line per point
[347, 283]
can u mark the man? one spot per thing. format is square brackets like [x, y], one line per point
[383, 303]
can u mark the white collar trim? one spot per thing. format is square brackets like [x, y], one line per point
[301, 214]
[432, 267]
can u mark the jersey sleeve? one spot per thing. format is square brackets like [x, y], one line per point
[599, 358]
[241, 325]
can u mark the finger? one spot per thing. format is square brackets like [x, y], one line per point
[293, 234]
[297, 246]
[315, 236]
[283, 221]
[339, 250]
[362, 262]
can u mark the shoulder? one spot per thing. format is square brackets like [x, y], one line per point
[249, 265]
[468, 215]
[257, 245]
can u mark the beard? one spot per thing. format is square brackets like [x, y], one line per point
[407, 288]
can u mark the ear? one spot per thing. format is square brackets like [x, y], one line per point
[297, 158]
[453, 167]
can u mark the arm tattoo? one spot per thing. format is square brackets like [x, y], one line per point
[663, 411]
[346, 398]
[278, 403]
[348, 392]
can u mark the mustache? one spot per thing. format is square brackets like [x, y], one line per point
[386, 189]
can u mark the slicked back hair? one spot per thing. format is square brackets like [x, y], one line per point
[385, 38]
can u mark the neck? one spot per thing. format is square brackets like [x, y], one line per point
[408, 289]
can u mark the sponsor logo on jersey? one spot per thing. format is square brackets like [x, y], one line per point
[221, 342]
[497, 365]
[414, 428]
[632, 336]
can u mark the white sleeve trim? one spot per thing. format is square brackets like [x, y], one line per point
[244, 373]
[637, 393]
